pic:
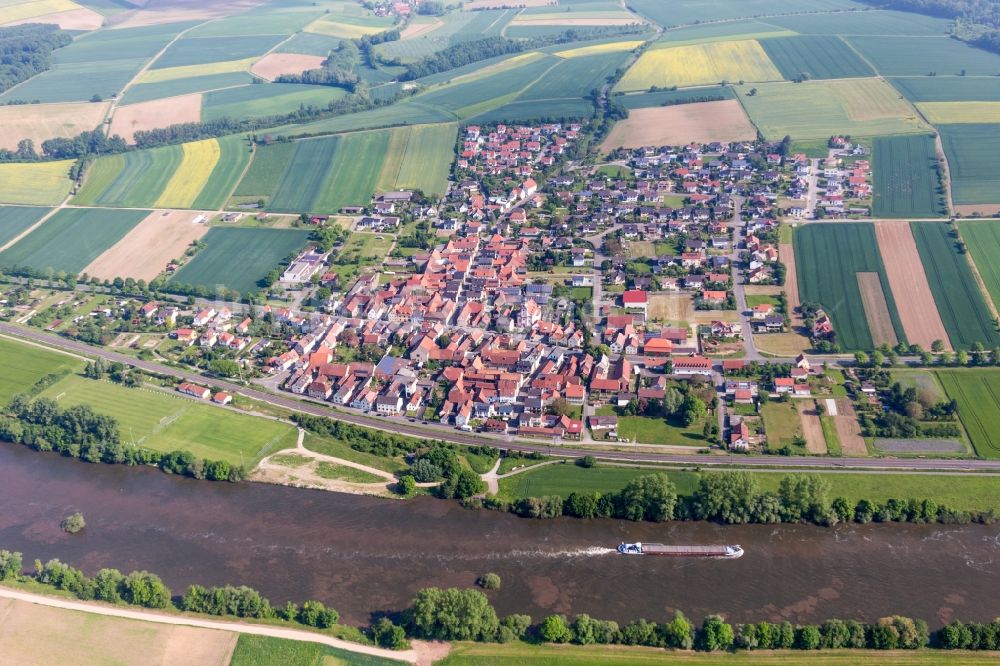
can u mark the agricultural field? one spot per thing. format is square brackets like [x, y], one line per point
[949, 88]
[700, 64]
[646, 100]
[940, 56]
[70, 239]
[942, 113]
[720, 32]
[264, 651]
[274, 65]
[42, 183]
[145, 92]
[906, 178]
[144, 252]
[239, 259]
[681, 123]
[349, 27]
[203, 50]
[308, 43]
[419, 157]
[524, 112]
[169, 422]
[77, 82]
[265, 100]
[266, 168]
[687, 12]
[15, 220]
[867, 23]
[576, 76]
[819, 57]
[198, 162]
[25, 364]
[191, 71]
[978, 394]
[829, 259]
[135, 179]
[820, 109]
[974, 162]
[982, 237]
[41, 122]
[956, 291]
[154, 114]
[234, 155]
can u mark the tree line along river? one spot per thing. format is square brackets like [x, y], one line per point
[363, 555]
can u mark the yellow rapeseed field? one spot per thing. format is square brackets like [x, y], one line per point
[200, 158]
[961, 112]
[42, 183]
[597, 49]
[701, 64]
[187, 71]
[26, 10]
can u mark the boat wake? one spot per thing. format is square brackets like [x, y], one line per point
[593, 551]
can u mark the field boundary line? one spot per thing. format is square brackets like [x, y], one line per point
[979, 278]
[236, 185]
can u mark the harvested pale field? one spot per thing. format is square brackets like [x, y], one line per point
[274, 65]
[473, 5]
[703, 122]
[983, 209]
[35, 634]
[415, 29]
[812, 430]
[598, 49]
[27, 12]
[153, 14]
[876, 309]
[848, 429]
[144, 252]
[671, 308]
[200, 158]
[40, 122]
[910, 289]
[71, 19]
[624, 20]
[155, 114]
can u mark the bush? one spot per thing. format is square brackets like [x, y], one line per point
[587, 462]
[554, 629]
[407, 486]
[385, 633]
[489, 581]
[73, 524]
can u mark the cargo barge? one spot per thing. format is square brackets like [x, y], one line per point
[727, 552]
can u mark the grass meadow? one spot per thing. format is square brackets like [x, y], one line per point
[978, 394]
[906, 177]
[264, 651]
[25, 364]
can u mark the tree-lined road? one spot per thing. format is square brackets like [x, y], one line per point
[400, 427]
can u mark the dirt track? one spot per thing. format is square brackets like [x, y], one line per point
[703, 122]
[876, 309]
[914, 300]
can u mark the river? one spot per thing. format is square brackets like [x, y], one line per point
[364, 555]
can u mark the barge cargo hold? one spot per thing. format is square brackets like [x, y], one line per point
[727, 552]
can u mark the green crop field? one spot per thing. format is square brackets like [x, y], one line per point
[909, 56]
[284, 18]
[270, 99]
[687, 12]
[828, 258]
[144, 92]
[419, 157]
[201, 50]
[906, 177]
[974, 162]
[982, 237]
[573, 108]
[168, 422]
[267, 651]
[239, 258]
[575, 77]
[563, 479]
[684, 96]
[821, 57]
[25, 364]
[961, 304]
[71, 239]
[264, 175]
[866, 23]
[407, 112]
[76, 82]
[15, 220]
[305, 176]
[119, 44]
[142, 178]
[949, 88]
[978, 394]
[233, 159]
[714, 32]
[819, 109]
[309, 43]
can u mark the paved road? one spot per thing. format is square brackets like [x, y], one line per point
[398, 426]
[410, 656]
[739, 289]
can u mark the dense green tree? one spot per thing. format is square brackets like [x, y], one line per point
[554, 629]
[453, 614]
[715, 634]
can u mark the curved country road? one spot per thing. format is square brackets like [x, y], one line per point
[414, 655]
[400, 427]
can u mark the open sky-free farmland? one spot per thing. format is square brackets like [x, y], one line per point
[679, 124]
[819, 109]
[943, 113]
[349, 27]
[982, 237]
[118, 44]
[143, 177]
[353, 171]
[233, 159]
[24, 364]
[573, 108]
[14, 220]
[145, 251]
[949, 88]
[576, 77]
[906, 177]
[919, 56]
[828, 258]
[686, 12]
[145, 92]
[239, 258]
[145, 116]
[718, 32]
[265, 100]
[956, 292]
[978, 396]
[478, 94]
[48, 121]
[42, 183]
[305, 176]
[673, 97]
[77, 82]
[19, 11]
[821, 57]
[973, 161]
[71, 239]
[264, 175]
[167, 422]
[201, 50]
[309, 43]
[863, 23]
[599, 49]
[419, 157]
[197, 164]
[192, 71]
[700, 64]
[265, 20]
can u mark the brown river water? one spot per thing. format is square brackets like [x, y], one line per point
[363, 555]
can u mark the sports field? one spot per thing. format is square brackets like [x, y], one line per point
[239, 258]
[819, 57]
[42, 183]
[15, 220]
[828, 259]
[956, 292]
[419, 157]
[135, 179]
[906, 177]
[700, 64]
[820, 109]
[168, 422]
[982, 237]
[978, 394]
[25, 364]
[200, 159]
[71, 239]
[973, 152]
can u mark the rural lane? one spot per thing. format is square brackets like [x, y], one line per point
[456, 437]
[411, 656]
